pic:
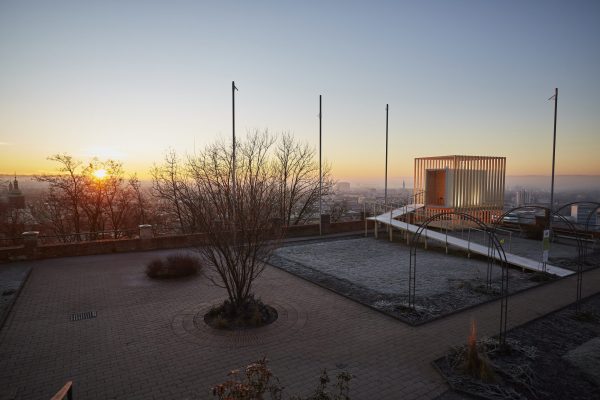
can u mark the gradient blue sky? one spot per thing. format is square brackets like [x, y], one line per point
[130, 79]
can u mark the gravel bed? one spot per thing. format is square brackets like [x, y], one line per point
[375, 273]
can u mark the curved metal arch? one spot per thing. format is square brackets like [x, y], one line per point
[576, 202]
[553, 213]
[589, 217]
[580, 249]
[492, 240]
[469, 217]
[587, 221]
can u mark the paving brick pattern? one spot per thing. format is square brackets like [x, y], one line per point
[147, 343]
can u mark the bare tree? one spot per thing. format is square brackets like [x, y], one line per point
[119, 197]
[78, 201]
[11, 224]
[294, 164]
[239, 227]
[140, 199]
[337, 210]
[298, 175]
[169, 184]
[94, 198]
[53, 216]
[68, 186]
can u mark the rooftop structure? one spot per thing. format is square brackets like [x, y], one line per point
[471, 184]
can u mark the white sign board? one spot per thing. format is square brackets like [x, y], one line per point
[546, 245]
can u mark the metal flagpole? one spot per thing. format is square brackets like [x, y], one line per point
[553, 156]
[320, 170]
[547, 232]
[386, 154]
[234, 200]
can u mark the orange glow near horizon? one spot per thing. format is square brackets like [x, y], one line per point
[344, 168]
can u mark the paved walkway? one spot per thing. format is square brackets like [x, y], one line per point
[145, 344]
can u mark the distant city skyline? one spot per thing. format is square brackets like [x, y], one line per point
[513, 182]
[130, 80]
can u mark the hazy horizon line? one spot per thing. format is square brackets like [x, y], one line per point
[3, 174]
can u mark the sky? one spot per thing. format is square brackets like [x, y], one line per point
[130, 79]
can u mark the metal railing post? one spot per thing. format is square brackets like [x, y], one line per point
[446, 224]
[390, 226]
[365, 217]
[469, 243]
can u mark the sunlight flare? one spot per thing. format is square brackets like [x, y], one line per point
[100, 174]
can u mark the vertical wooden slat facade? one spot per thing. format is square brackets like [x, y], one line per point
[471, 184]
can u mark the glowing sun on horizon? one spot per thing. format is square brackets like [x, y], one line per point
[100, 173]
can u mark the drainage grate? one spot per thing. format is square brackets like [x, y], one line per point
[83, 315]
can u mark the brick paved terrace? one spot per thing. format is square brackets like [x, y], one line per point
[146, 341]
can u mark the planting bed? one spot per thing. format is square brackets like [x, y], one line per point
[554, 357]
[375, 273]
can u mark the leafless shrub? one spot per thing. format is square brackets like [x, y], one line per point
[236, 208]
[257, 380]
[174, 266]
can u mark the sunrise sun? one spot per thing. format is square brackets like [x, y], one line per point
[100, 173]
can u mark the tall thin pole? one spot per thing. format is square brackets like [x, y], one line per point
[553, 158]
[386, 153]
[233, 166]
[320, 169]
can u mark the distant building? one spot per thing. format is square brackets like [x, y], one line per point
[522, 197]
[342, 187]
[16, 199]
[582, 215]
[469, 184]
[15, 218]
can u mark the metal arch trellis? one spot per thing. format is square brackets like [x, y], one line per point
[587, 221]
[575, 203]
[589, 217]
[494, 245]
[580, 252]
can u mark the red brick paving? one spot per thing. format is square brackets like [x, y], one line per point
[144, 343]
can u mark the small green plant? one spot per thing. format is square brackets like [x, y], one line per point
[173, 266]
